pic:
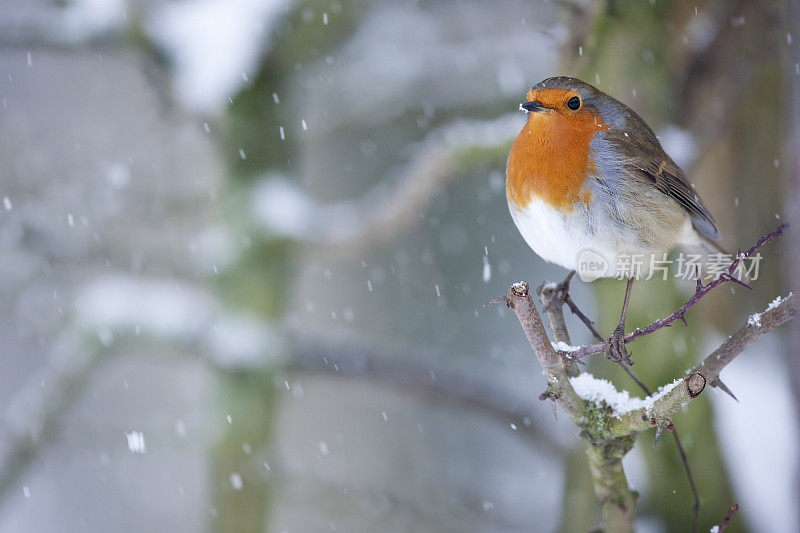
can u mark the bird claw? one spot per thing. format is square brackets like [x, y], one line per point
[615, 347]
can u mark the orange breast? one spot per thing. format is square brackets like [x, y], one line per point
[551, 159]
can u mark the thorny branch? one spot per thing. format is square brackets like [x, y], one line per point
[608, 438]
[700, 291]
[553, 298]
[559, 388]
[757, 326]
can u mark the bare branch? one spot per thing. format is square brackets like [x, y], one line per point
[518, 298]
[552, 297]
[757, 326]
[551, 294]
[663, 409]
[385, 211]
[700, 292]
[610, 437]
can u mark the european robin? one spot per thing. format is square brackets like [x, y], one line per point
[588, 182]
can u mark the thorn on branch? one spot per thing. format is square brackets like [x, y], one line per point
[719, 384]
[734, 279]
[494, 301]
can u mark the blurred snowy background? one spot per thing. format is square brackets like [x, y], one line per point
[246, 243]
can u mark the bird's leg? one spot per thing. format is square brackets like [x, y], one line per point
[616, 343]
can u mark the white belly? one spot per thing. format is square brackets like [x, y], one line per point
[572, 240]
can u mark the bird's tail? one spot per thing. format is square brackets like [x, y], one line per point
[713, 260]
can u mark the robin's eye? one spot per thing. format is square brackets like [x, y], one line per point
[574, 103]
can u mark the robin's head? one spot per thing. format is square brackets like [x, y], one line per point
[572, 100]
[552, 155]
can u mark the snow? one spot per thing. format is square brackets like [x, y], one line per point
[487, 270]
[136, 442]
[601, 391]
[755, 318]
[562, 346]
[243, 341]
[213, 44]
[714, 529]
[282, 208]
[236, 481]
[84, 19]
[776, 302]
[158, 307]
[679, 144]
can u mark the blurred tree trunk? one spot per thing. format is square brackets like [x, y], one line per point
[262, 278]
[245, 413]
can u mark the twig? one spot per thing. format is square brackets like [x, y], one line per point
[731, 511]
[700, 291]
[757, 326]
[690, 476]
[583, 318]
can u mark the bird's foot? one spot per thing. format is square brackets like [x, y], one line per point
[615, 347]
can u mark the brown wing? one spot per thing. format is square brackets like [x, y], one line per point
[661, 171]
[670, 179]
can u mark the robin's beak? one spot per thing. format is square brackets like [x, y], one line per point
[533, 106]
